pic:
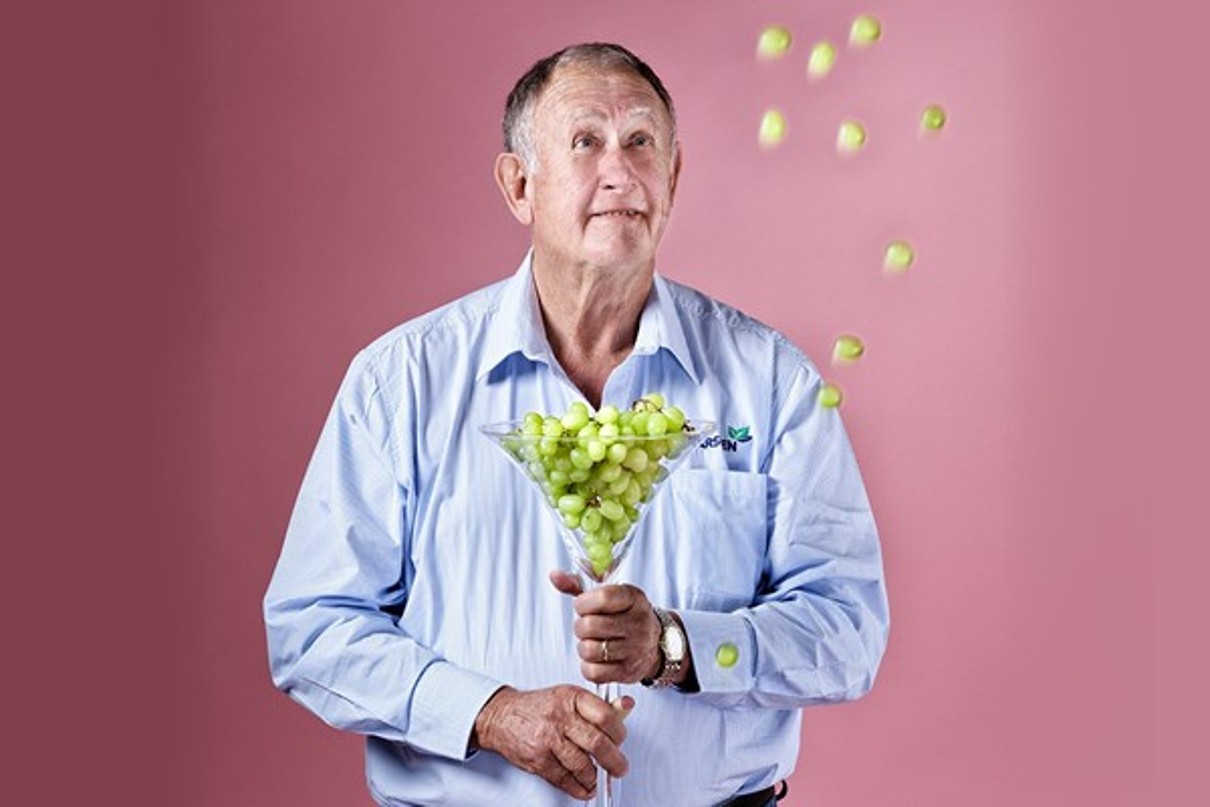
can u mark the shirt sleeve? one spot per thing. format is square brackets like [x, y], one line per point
[334, 644]
[817, 629]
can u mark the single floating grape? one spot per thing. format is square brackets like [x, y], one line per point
[851, 136]
[830, 396]
[865, 31]
[774, 42]
[772, 129]
[933, 118]
[899, 256]
[823, 56]
[726, 655]
[847, 350]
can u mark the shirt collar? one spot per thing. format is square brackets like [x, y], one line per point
[517, 326]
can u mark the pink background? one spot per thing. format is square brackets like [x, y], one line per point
[325, 174]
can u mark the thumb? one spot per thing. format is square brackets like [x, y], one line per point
[566, 582]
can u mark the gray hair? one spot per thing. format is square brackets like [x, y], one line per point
[518, 123]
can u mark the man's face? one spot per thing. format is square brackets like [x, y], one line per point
[606, 171]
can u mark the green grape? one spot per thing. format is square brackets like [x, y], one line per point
[600, 555]
[638, 422]
[610, 472]
[932, 118]
[772, 128]
[848, 349]
[563, 463]
[632, 513]
[657, 424]
[726, 655]
[676, 418]
[851, 136]
[571, 503]
[774, 42]
[580, 459]
[609, 433]
[590, 520]
[823, 56]
[548, 446]
[620, 528]
[596, 450]
[617, 452]
[571, 521]
[575, 419]
[636, 459]
[633, 493]
[866, 30]
[655, 400]
[619, 485]
[899, 256]
[607, 414]
[589, 429]
[579, 474]
[532, 425]
[611, 510]
[558, 478]
[830, 396]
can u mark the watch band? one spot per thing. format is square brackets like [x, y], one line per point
[669, 667]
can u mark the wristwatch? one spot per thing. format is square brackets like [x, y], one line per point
[673, 648]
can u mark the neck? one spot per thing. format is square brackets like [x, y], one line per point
[592, 319]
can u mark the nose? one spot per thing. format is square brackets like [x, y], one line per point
[616, 172]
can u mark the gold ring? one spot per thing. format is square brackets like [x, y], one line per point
[605, 651]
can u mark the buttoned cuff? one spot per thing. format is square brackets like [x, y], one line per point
[445, 703]
[715, 640]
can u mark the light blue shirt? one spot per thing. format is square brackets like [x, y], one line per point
[413, 579]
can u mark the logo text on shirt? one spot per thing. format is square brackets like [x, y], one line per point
[735, 436]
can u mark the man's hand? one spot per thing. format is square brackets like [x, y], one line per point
[556, 733]
[618, 630]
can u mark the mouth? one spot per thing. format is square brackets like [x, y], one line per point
[623, 213]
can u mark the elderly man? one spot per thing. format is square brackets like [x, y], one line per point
[410, 604]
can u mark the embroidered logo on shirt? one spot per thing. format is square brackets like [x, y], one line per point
[735, 436]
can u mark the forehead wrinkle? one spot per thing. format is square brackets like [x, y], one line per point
[581, 116]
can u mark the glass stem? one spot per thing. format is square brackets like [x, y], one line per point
[606, 786]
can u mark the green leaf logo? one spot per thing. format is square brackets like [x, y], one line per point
[739, 435]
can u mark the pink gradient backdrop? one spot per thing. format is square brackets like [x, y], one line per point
[328, 175]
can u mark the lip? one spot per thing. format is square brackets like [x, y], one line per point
[619, 213]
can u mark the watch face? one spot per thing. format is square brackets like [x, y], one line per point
[674, 644]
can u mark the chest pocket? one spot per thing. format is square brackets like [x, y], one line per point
[721, 525]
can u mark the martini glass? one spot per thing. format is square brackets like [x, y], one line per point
[598, 500]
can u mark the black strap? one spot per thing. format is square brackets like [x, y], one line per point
[760, 798]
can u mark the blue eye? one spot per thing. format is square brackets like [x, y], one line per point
[641, 140]
[582, 141]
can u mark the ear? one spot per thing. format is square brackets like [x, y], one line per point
[676, 169]
[514, 185]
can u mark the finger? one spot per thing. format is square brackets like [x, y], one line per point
[596, 713]
[600, 745]
[577, 763]
[599, 627]
[622, 706]
[610, 599]
[566, 582]
[593, 651]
